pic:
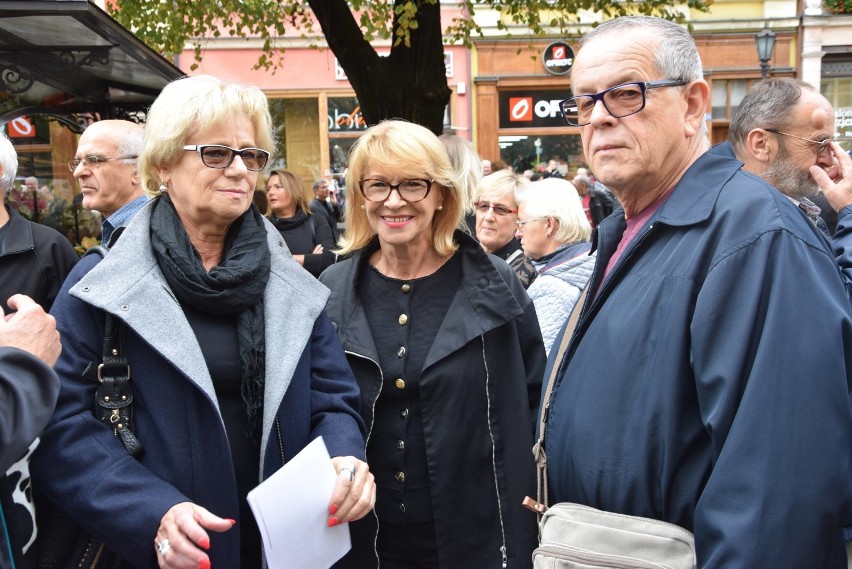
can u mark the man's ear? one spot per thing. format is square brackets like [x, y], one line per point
[760, 145]
[697, 96]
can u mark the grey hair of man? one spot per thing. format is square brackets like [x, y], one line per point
[131, 144]
[677, 55]
[580, 179]
[767, 105]
[8, 163]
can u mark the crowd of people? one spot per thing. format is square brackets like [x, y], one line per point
[702, 378]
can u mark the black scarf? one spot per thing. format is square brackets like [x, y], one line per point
[285, 223]
[234, 286]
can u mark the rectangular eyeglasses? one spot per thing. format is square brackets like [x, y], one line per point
[619, 101]
[220, 156]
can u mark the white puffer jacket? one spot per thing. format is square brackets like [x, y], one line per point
[560, 281]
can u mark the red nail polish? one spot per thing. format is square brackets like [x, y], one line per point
[333, 509]
[230, 520]
[204, 564]
[332, 522]
[204, 543]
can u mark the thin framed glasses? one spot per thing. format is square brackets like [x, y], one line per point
[413, 190]
[820, 144]
[619, 101]
[94, 161]
[220, 156]
[522, 223]
[501, 210]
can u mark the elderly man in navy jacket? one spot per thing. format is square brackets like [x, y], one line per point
[721, 403]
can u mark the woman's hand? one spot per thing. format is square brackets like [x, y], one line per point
[354, 493]
[181, 537]
[318, 249]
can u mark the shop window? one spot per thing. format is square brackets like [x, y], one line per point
[838, 91]
[543, 153]
[726, 96]
[298, 130]
[44, 190]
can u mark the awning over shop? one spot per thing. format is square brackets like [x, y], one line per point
[68, 57]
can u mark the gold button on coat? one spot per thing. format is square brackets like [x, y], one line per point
[406, 288]
[400, 477]
[403, 319]
[400, 383]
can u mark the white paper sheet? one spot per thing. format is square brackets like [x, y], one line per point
[291, 509]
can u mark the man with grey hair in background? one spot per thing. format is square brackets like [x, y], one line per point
[105, 167]
[34, 259]
[782, 131]
[698, 388]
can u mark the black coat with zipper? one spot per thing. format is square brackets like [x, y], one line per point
[479, 389]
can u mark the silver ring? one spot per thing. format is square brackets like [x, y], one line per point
[163, 547]
[349, 467]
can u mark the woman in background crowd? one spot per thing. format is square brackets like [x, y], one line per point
[445, 345]
[496, 213]
[308, 236]
[554, 233]
[235, 366]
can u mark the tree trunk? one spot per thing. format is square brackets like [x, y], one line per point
[409, 84]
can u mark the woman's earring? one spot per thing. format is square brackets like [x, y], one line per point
[164, 188]
[440, 207]
[363, 206]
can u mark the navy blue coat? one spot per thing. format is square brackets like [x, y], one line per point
[708, 381]
[86, 471]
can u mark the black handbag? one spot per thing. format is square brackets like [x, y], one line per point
[62, 544]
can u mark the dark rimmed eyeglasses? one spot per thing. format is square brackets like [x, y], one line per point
[413, 190]
[501, 210]
[821, 145]
[94, 161]
[619, 101]
[220, 156]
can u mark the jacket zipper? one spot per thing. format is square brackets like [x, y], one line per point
[592, 559]
[370, 432]
[503, 551]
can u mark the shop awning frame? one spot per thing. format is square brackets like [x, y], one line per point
[66, 58]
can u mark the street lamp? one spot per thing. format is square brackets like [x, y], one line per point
[537, 144]
[765, 46]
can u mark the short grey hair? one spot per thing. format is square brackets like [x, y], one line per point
[580, 179]
[8, 163]
[131, 144]
[767, 105]
[677, 57]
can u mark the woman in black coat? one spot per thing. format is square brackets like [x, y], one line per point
[308, 236]
[445, 346]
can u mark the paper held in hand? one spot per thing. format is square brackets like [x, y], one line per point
[291, 509]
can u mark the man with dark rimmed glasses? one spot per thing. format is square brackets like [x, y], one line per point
[706, 383]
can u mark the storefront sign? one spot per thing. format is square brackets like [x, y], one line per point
[344, 115]
[449, 70]
[843, 121]
[558, 58]
[525, 109]
[21, 127]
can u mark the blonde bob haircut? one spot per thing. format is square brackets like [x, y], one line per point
[558, 199]
[293, 187]
[410, 151]
[503, 183]
[193, 105]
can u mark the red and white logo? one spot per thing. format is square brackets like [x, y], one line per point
[21, 127]
[559, 52]
[520, 109]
